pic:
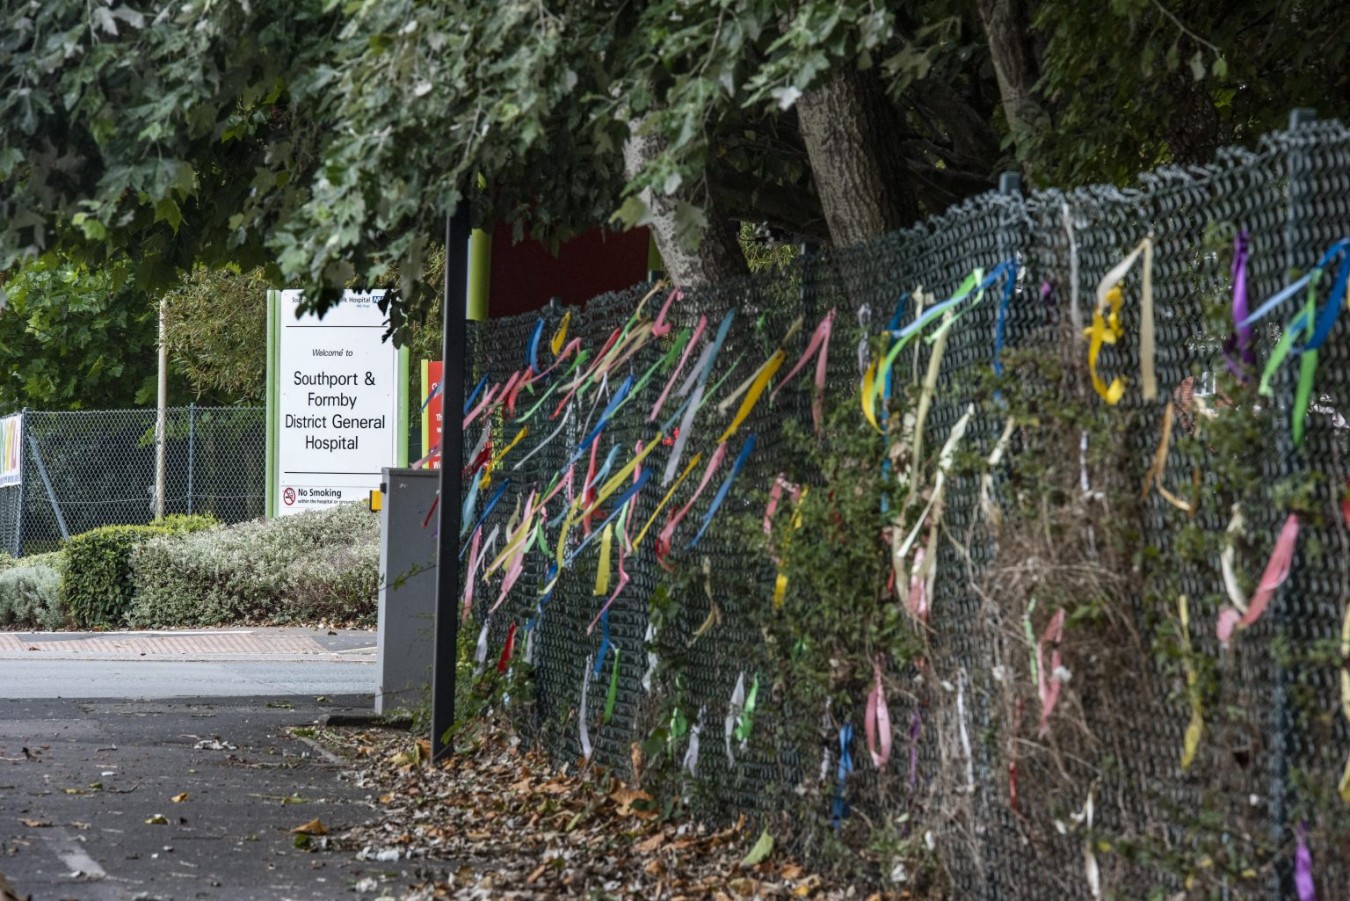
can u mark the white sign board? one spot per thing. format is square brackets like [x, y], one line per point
[339, 390]
[11, 465]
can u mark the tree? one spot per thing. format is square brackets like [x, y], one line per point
[327, 139]
[216, 330]
[76, 338]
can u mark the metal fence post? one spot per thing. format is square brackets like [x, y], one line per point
[192, 452]
[1289, 463]
[47, 483]
[18, 514]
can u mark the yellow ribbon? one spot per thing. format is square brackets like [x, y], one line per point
[1153, 478]
[780, 584]
[1105, 330]
[560, 336]
[698, 458]
[761, 382]
[1196, 727]
[1106, 327]
[501, 455]
[868, 398]
[602, 573]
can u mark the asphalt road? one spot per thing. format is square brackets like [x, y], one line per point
[100, 732]
[80, 779]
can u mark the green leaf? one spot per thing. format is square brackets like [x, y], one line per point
[762, 849]
[1198, 65]
[166, 210]
[1220, 68]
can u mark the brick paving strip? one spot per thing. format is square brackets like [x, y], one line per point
[268, 644]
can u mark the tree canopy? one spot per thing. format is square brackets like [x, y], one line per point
[326, 139]
[75, 338]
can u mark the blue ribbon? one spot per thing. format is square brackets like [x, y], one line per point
[551, 581]
[605, 416]
[604, 470]
[470, 501]
[605, 644]
[1290, 290]
[845, 768]
[468, 402]
[618, 508]
[1326, 317]
[725, 489]
[532, 357]
[1009, 284]
[932, 312]
[434, 393]
[501, 489]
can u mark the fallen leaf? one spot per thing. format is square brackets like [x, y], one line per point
[157, 820]
[762, 849]
[36, 824]
[647, 846]
[313, 827]
[179, 798]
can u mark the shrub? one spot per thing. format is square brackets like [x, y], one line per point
[98, 583]
[323, 564]
[30, 593]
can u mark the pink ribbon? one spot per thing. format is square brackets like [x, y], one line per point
[820, 341]
[661, 328]
[917, 603]
[878, 721]
[473, 567]
[482, 404]
[1049, 685]
[1277, 570]
[673, 520]
[684, 358]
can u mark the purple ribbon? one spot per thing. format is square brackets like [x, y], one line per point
[1303, 878]
[1240, 342]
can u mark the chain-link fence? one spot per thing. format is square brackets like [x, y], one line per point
[86, 469]
[1099, 802]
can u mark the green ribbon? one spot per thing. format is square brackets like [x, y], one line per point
[1304, 322]
[613, 688]
[582, 356]
[746, 719]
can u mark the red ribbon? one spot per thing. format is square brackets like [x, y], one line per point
[505, 660]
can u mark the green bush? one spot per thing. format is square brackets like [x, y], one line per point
[323, 564]
[98, 583]
[30, 592]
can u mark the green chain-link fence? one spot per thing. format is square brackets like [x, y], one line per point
[1100, 803]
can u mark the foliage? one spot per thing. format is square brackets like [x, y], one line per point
[216, 329]
[79, 338]
[30, 593]
[99, 583]
[312, 134]
[320, 564]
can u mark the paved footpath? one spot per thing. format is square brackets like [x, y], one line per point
[186, 663]
[99, 732]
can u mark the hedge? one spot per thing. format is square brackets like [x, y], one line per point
[319, 565]
[30, 593]
[98, 583]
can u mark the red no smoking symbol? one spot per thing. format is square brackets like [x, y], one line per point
[288, 496]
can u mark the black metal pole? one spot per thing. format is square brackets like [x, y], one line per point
[454, 308]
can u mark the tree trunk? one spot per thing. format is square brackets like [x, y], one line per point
[716, 258]
[847, 126]
[1006, 29]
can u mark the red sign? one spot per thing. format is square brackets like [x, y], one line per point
[431, 416]
[288, 496]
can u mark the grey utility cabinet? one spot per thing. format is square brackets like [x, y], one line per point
[407, 628]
